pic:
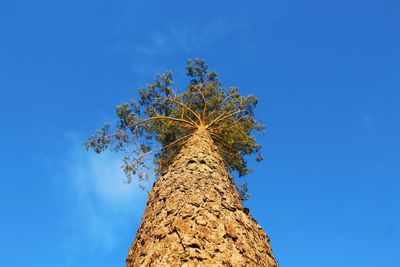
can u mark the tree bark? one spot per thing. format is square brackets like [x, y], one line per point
[194, 216]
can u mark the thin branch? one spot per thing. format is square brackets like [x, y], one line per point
[223, 102]
[176, 141]
[172, 91]
[228, 125]
[232, 154]
[217, 118]
[162, 117]
[221, 118]
[226, 98]
[142, 156]
[197, 87]
[190, 119]
[157, 117]
[242, 142]
[184, 106]
[227, 165]
[155, 111]
[224, 144]
[191, 97]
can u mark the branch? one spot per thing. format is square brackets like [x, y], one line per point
[232, 154]
[184, 106]
[228, 125]
[217, 134]
[203, 97]
[223, 101]
[190, 119]
[227, 146]
[161, 117]
[172, 90]
[222, 117]
[157, 117]
[226, 98]
[227, 165]
[142, 156]
[217, 118]
[176, 141]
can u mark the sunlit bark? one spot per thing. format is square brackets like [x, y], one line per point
[194, 216]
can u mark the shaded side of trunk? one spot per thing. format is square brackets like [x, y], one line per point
[194, 216]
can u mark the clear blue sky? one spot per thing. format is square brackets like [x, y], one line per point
[326, 73]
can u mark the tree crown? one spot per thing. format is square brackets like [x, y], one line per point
[162, 120]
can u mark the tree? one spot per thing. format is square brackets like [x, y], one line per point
[197, 140]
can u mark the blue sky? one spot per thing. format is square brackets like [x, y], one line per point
[326, 74]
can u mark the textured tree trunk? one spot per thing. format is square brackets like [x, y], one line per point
[194, 216]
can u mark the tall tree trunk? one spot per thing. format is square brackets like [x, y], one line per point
[194, 216]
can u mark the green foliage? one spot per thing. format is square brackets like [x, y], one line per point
[164, 118]
[243, 191]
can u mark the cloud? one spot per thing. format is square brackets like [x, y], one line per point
[100, 206]
[184, 38]
[150, 53]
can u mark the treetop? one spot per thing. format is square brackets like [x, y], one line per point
[151, 130]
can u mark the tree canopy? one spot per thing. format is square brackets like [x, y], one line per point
[150, 132]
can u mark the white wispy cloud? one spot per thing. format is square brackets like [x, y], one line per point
[185, 38]
[100, 208]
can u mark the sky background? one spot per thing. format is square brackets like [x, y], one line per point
[327, 77]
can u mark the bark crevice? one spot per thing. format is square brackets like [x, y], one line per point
[194, 216]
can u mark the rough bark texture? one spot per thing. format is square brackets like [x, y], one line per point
[194, 216]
